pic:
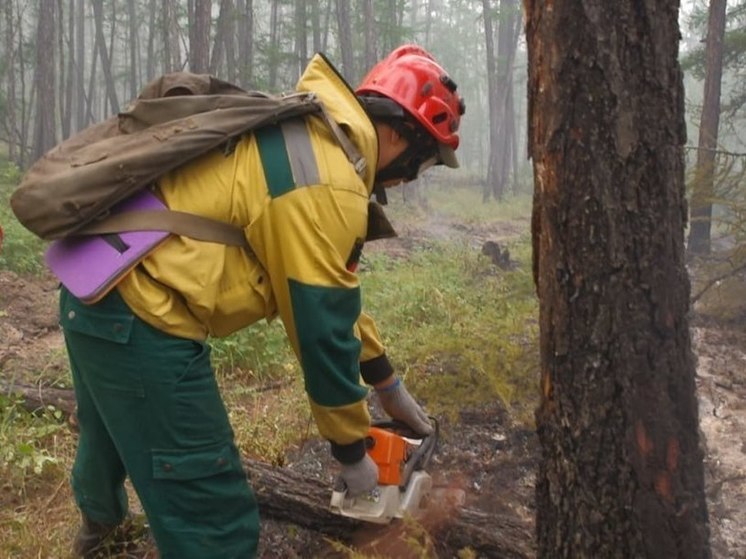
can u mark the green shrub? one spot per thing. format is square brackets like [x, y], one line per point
[24, 438]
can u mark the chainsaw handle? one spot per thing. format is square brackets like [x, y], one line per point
[421, 457]
[402, 429]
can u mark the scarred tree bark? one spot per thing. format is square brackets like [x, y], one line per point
[621, 471]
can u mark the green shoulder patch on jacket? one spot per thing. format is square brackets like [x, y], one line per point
[287, 156]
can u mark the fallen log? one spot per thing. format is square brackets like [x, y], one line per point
[291, 496]
[36, 398]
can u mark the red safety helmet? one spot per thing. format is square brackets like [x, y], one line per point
[412, 78]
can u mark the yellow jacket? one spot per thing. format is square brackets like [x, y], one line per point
[304, 210]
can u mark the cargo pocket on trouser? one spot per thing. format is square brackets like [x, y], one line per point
[201, 505]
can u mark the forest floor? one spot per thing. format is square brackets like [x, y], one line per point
[487, 452]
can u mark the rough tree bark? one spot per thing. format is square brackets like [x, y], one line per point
[621, 471]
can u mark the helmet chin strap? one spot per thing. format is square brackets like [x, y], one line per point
[380, 192]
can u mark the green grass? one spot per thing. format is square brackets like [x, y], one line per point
[456, 324]
[22, 251]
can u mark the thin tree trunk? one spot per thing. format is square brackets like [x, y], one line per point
[150, 62]
[704, 176]
[369, 21]
[170, 30]
[493, 162]
[507, 44]
[301, 35]
[69, 74]
[199, 32]
[316, 26]
[327, 25]
[229, 39]
[274, 44]
[245, 42]
[218, 45]
[44, 80]
[10, 80]
[621, 472]
[80, 96]
[103, 53]
[134, 40]
[345, 39]
[91, 98]
[61, 77]
[25, 108]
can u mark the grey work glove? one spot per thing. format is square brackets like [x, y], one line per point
[399, 404]
[360, 477]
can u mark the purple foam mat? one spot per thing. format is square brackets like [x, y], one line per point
[89, 266]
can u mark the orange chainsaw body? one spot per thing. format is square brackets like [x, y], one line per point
[389, 451]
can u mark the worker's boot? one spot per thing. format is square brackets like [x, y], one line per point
[95, 540]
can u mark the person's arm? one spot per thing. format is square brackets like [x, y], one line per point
[377, 371]
[375, 367]
[304, 238]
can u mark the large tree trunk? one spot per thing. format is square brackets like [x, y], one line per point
[703, 192]
[44, 80]
[621, 471]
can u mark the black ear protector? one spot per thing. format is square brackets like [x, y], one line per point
[421, 151]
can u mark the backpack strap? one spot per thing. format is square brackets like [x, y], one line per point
[179, 223]
[353, 154]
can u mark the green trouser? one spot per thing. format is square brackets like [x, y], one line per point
[149, 408]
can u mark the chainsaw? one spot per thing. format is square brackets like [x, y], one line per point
[403, 484]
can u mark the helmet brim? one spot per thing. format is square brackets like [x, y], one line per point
[447, 156]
